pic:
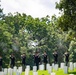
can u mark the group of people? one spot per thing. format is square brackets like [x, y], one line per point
[37, 59]
[66, 56]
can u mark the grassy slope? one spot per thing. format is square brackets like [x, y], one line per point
[59, 72]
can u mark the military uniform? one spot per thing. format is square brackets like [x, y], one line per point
[12, 61]
[55, 55]
[37, 60]
[23, 57]
[0, 63]
[45, 60]
[66, 58]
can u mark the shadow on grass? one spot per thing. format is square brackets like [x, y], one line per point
[71, 72]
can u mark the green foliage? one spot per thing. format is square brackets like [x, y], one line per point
[21, 33]
[68, 17]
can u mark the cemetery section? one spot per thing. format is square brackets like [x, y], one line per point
[53, 69]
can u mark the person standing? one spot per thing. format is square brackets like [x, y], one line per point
[23, 57]
[37, 59]
[45, 59]
[12, 60]
[55, 55]
[0, 63]
[66, 55]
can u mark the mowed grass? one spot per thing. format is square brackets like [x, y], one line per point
[45, 72]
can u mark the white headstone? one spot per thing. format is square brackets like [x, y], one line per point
[74, 65]
[35, 73]
[56, 67]
[9, 71]
[71, 66]
[34, 68]
[47, 66]
[62, 65]
[53, 65]
[52, 73]
[5, 71]
[41, 67]
[17, 73]
[2, 69]
[20, 70]
[27, 71]
[15, 69]
[50, 69]
[1, 73]
[28, 67]
[65, 69]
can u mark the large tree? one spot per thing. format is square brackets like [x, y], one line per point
[68, 17]
[67, 22]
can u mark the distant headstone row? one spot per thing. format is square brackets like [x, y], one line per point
[49, 68]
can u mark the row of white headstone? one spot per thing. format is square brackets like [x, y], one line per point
[11, 71]
[49, 67]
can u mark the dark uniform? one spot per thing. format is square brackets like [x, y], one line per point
[66, 58]
[12, 61]
[45, 59]
[0, 63]
[37, 60]
[55, 55]
[23, 57]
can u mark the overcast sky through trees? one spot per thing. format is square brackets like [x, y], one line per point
[35, 8]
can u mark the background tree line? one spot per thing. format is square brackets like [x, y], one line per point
[21, 33]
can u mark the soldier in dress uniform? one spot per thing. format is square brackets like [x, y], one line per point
[55, 55]
[12, 60]
[23, 57]
[66, 55]
[45, 59]
[0, 63]
[37, 59]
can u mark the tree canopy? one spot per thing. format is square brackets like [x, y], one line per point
[21, 33]
[68, 17]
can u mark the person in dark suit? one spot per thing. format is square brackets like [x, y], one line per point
[66, 55]
[12, 60]
[45, 59]
[37, 59]
[55, 55]
[23, 57]
[0, 63]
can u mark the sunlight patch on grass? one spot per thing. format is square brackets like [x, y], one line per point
[58, 72]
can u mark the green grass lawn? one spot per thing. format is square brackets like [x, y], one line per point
[58, 72]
